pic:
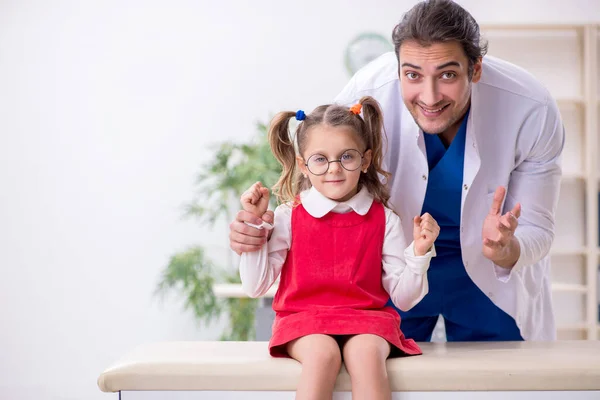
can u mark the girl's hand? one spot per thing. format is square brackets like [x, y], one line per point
[256, 199]
[425, 231]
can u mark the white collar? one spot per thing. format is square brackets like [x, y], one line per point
[318, 205]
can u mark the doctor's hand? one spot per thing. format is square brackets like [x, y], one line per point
[425, 231]
[244, 238]
[499, 242]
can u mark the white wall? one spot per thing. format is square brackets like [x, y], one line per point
[106, 109]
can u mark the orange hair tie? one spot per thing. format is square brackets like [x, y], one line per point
[355, 109]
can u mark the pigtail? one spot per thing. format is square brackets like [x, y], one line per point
[376, 137]
[282, 146]
[302, 184]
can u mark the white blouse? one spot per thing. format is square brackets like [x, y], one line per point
[404, 274]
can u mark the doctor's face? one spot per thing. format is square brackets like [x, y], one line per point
[435, 84]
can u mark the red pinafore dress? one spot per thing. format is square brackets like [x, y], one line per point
[331, 281]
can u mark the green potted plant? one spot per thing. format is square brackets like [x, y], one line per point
[192, 273]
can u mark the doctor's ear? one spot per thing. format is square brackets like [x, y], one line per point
[477, 70]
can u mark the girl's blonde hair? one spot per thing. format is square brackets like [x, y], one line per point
[368, 129]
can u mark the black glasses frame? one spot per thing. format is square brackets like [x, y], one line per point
[332, 161]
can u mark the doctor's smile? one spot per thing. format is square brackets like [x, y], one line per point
[432, 112]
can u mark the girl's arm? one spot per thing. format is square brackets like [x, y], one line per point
[404, 273]
[260, 269]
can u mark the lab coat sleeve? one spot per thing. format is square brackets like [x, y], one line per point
[535, 183]
[260, 269]
[404, 273]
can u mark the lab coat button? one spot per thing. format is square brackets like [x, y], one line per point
[424, 177]
[465, 186]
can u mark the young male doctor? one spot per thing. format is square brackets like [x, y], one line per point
[476, 142]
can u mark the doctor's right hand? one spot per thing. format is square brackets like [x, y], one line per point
[244, 238]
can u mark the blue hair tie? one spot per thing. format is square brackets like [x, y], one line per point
[300, 116]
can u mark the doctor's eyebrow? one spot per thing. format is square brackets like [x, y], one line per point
[448, 64]
[445, 65]
[409, 65]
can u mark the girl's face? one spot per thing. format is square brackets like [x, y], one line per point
[333, 160]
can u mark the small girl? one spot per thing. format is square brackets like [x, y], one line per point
[339, 250]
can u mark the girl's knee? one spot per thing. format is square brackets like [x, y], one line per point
[328, 356]
[320, 351]
[366, 351]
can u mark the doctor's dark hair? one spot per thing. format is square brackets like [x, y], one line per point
[435, 21]
[369, 132]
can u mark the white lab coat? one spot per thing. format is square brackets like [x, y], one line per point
[515, 137]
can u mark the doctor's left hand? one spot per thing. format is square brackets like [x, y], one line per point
[499, 242]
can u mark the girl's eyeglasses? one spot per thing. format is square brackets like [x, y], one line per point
[350, 160]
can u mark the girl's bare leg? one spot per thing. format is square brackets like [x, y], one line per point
[365, 359]
[321, 360]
